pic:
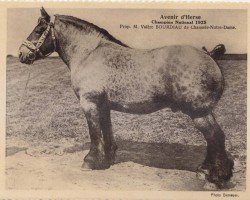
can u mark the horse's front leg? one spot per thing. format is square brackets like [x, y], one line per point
[106, 127]
[95, 159]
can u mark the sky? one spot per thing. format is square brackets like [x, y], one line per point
[21, 21]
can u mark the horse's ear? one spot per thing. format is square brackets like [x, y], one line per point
[45, 15]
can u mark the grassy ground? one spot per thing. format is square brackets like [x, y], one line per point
[47, 111]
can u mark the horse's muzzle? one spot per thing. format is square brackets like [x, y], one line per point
[25, 60]
[26, 57]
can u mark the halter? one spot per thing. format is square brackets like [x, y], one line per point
[34, 46]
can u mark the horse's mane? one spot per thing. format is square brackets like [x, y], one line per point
[87, 26]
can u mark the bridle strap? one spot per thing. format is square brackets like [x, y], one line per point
[34, 46]
[53, 35]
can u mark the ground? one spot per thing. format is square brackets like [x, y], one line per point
[47, 136]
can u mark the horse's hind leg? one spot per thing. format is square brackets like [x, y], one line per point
[216, 162]
[106, 127]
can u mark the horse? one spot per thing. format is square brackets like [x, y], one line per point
[107, 74]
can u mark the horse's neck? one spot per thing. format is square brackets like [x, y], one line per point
[74, 45]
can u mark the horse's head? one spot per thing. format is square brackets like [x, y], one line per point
[40, 43]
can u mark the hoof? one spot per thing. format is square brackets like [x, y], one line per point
[111, 161]
[220, 173]
[95, 165]
[202, 172]
[111, 154]
[95, 160]
[210, 186]
[201, 176]
[98, 160]
[86, 167]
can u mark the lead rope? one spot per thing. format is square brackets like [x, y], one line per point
[30, 45]
[28, 79]
[25, 91]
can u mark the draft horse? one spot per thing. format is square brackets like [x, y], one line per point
[108, 75]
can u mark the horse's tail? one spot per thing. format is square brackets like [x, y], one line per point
[216, 80]
[218, 51]
[215, 83]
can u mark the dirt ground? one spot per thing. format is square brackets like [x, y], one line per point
[58, 170]
[47, 138]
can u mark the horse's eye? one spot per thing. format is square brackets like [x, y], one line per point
[39, 30]
[42, 21]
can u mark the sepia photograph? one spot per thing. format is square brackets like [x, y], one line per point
[126, 99]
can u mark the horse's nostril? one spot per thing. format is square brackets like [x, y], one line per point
[20, 54]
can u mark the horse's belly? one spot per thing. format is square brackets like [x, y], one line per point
[137, 108]
[137, 97]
